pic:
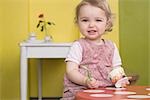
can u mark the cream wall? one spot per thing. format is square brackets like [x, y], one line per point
[19, 18]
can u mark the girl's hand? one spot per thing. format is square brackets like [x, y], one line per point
[116, 78]
[92, 83]
[123, 82]
[116, 74]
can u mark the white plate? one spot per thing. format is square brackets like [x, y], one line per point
[93, 91]
[124, 92]
[113, 88]
[101, 95]
[148, 89]
[138, 96]
[128, 99]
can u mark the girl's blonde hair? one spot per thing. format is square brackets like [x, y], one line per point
[102, 4]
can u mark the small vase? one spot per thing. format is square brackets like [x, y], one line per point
[48, 39]
[32, 37]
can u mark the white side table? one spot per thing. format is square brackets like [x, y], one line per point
[38, 50]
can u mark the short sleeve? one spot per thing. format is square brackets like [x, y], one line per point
[116, 58]
[75, 53]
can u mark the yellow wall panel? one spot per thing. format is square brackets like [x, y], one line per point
[14, 30]
[114, 35]
[0, 52]
[19, 18]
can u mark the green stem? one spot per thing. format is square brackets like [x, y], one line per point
[88, 72]
[45, 28]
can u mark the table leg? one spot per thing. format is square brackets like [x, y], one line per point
[39, 79]
[23, 74]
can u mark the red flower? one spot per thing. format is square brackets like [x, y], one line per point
[43, 23]
[41, 16]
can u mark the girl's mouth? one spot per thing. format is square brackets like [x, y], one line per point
[91, 32]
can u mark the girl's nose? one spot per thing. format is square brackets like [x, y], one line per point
[91, 24]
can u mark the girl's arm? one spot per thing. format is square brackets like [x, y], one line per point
[73, 74]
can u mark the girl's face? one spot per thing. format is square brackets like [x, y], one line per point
[92, 22]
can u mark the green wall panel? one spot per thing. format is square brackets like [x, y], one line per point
[134, 38]
[149, 38]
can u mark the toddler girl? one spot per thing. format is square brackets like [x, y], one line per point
[92, 62]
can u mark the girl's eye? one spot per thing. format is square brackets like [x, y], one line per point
[99, 20]
[84, 20]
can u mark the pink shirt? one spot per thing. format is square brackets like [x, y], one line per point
[75, 54]
[100, 59]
